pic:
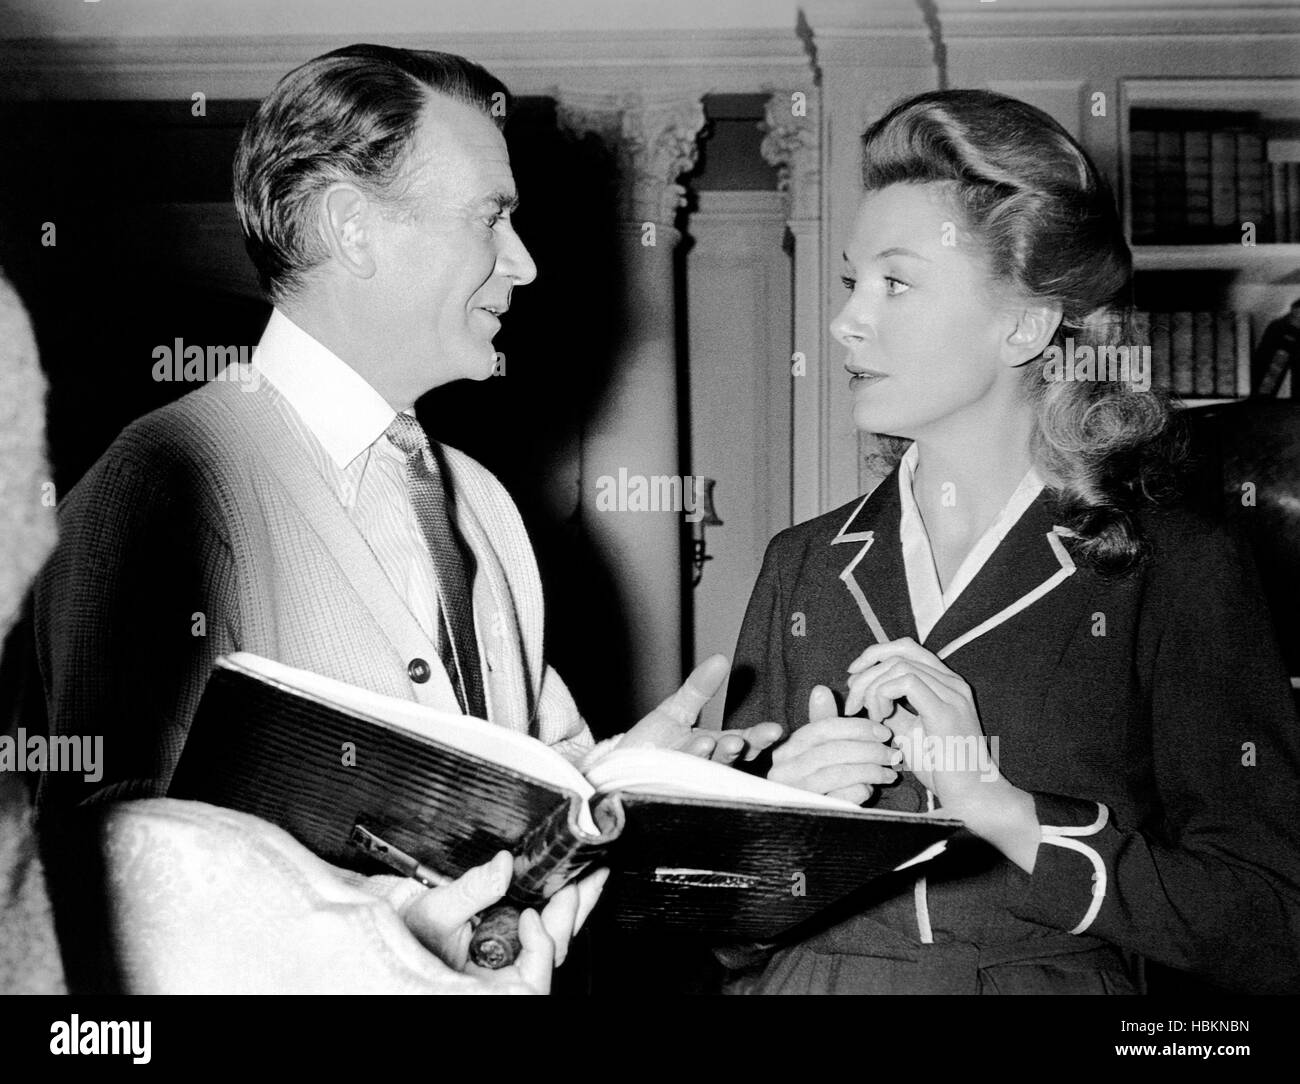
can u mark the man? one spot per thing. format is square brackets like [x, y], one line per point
[301, 513]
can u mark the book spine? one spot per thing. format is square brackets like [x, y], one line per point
[1196, 174]
[1203, 350]
[1180, 353]
[550, 856]
[1251, 184]
[1171, 208]
[1161, 371]
[1225, 354]
[1243, 341]
[1277, 206]
[1293, 201]
[1142, 186]
[1223, 185]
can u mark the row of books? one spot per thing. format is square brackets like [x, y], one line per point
[1201, 354]
[1198, 177]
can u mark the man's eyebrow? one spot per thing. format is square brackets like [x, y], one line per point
[505, 202]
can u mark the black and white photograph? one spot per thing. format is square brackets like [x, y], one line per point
[623, 501]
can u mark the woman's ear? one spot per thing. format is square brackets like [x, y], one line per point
[346, 229]
[1031, 331]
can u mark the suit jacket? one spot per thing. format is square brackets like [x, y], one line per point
[205, 529]
[1148, 714]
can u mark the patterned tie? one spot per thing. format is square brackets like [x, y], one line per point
[452, 560]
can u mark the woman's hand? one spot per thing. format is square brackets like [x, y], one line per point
[833, 755]
[943, 744]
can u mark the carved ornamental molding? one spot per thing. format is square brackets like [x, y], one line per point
[653, 140]
[792, 143]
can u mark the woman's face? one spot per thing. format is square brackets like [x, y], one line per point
[922, 324]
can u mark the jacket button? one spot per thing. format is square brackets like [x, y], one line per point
[418, 671]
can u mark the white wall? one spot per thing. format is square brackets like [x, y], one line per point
[240, 18]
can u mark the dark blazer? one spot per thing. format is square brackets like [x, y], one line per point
[1149, 715]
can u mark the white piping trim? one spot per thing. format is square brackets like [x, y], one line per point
[1103, 815]
[1098, 878]
[856, 536]
[873, 622]
[1067, 570]
[922, 911]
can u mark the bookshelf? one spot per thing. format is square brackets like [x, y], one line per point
[1211, 155]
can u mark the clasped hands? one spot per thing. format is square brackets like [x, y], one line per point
[916, 707]
[441, 918]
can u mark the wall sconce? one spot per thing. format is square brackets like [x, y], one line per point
[704, 504]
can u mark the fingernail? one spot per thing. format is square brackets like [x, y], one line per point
[897, 758]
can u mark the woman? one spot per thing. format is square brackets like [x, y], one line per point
[1022, 637]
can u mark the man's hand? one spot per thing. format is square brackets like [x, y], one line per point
[672, 724]
[836, 755]
[440, 920]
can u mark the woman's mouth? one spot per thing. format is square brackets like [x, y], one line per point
[861, 378]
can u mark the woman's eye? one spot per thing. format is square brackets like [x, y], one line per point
[850, 284]
[895, 286]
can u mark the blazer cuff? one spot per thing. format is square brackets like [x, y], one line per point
[1073, 869]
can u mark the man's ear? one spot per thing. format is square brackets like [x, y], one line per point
[1031, 330]
[346, 226]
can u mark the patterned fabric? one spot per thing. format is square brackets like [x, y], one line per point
[457, 640]
[29, 955]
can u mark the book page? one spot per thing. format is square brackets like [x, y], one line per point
[666, 772]
[477, 737]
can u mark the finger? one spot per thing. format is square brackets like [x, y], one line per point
[858, 794]
[927, 703]
[559, 917]
[821, 704]
[728, 746]
[698, 689]
[838, 776]
[761, 737]
[856, 756]
[536, 959]
[859, 682]
[904, 647]
[700, 744]
[880, 707]
[443, 910]
[589, 890]
[824, 730]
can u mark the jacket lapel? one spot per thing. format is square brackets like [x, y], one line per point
[868, 548]
[1028, 564]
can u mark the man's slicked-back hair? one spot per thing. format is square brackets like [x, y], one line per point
[349, 115]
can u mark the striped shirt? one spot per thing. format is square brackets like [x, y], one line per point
[341, 421]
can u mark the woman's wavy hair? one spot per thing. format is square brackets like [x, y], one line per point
[1046, 222]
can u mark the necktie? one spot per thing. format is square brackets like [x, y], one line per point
[452, 560]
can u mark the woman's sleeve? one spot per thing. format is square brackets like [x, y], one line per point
[756, 689]
[1214, 887]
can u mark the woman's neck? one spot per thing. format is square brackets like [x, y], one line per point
[963, 480]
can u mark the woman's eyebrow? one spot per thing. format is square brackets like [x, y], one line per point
[896, 251]
[901, 252]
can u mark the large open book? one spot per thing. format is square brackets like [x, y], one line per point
[693, 845]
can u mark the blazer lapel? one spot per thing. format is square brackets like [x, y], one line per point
[1029, 564]
[873, 573]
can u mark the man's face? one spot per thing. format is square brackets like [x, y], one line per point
[448, 260]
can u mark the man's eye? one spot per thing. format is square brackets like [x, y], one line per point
[895, 286]
[850, 284]
[492, 220]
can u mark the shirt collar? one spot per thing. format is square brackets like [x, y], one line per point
[929, 602]
[340, 408]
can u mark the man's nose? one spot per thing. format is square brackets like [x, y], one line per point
[514, 260]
